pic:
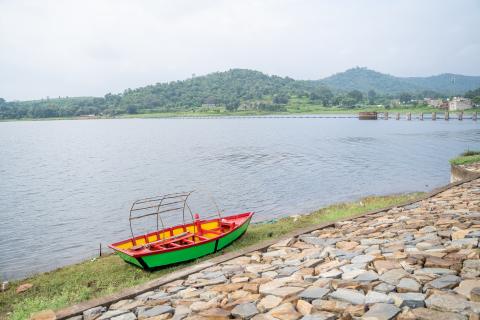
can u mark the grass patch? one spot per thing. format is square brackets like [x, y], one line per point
[103, 276]
[467, 157]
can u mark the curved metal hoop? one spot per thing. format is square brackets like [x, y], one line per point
[157, 206]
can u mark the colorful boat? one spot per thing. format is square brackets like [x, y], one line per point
[183, 242]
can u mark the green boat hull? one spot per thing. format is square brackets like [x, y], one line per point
[186, 254]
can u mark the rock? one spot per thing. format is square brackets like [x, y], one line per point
[335, 306]
[263, 316]
[44, 315]
[352, 271]
[269, 302]
[147, 312]
[202, 305]
[348, 295]
[79, 317]
[447, 302]
[93, 313]
[367, 276]
[282, 292]
[346, 245]
[111, 314]
[475, 294]
[245, 310]
[428, 229]
[435, 262]
[251, 287]
[384, 287]
[312, 293]
[438, 271]
[393, 276]
[181, 312]
[125, 316]
[283, 243]
[158, 296]
[471, 269]
[381, 311]
[304, 307]
[287, 271]
[215, 314]
[448, 281]
[466, 286]
[320, 315]
[259, 267]
[362, 259]
[285, 311]
[430, 314]
[383, 266]
[466, 243]
[334, 273]
[355, 310]
[408, 285]
[229, 287]
[371, 242]
[409, 299]
[373, 297]
[23, 287]
[275, 253]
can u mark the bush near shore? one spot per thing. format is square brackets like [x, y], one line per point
[467, 157]
[102, 276]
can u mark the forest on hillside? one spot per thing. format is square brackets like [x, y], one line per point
[236, 89]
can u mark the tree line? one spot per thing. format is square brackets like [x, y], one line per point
[233, 90]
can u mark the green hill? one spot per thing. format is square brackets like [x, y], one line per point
[364, 79]
[242, 89]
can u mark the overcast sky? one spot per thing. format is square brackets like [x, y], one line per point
[79, 48]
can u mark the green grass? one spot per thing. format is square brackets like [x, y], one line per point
[467, 157]
[103, 276]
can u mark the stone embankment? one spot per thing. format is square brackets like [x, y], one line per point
[464, 171]
[415, 262]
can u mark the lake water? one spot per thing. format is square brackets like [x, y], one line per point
[66, 186]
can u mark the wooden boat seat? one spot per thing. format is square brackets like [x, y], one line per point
[229, 225]
[160, 243]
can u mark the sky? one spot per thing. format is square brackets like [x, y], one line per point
[92, 47]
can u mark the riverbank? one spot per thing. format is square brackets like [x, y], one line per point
[291, 111]
[417, 261]
[103, 276]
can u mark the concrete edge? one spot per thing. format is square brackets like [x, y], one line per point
[183, 273]
[460, 172]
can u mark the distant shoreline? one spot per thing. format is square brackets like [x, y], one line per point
[239, 114]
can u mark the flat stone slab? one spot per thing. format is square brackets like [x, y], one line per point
[348, 295]
[245, 310]
[381, 311]
[312, 293]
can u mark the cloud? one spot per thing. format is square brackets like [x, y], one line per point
[77, 48]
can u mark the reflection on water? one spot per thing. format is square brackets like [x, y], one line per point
[66, 186]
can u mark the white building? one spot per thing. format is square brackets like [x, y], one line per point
[459, 104]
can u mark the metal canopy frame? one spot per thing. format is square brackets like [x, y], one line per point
[159, 205]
